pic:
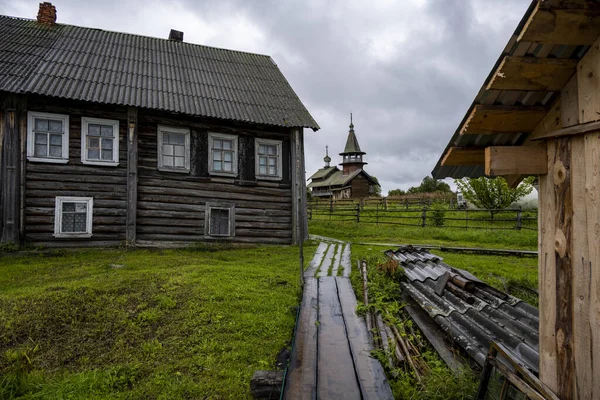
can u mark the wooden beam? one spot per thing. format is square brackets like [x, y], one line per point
[588, 85]
[132, 175]
[485, 119]
[514, 180]
[570, 131]
[532, 73]
[10, 192]
[568, 25]
[515, 160]
[569, 103]
[464, 156]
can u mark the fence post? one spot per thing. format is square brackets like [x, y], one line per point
[310, 212]
[358, 212]
[377, 216]
[331, 205]
[424, 217]
[466, 218]
[385, 203]
[406, 203]
[519, 216]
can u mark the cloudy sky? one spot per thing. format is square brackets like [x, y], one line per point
[407, 69]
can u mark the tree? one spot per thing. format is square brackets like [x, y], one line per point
[429, 185]
[493, 194]
[396, 192]
[376, 188]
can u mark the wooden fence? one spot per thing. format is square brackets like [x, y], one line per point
[421, 216]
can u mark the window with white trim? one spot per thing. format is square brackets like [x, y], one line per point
[223, 154]
[99, 141]
[220, 220]
[47, 137]
[73, 216]
[173, 149]
[268, 159]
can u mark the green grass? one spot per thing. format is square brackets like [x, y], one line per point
[111, 324]
[372, 233]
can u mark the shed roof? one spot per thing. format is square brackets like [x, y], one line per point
[338, 179]
[323, 172]
[100, 66]
[522, 87]
[474, 316]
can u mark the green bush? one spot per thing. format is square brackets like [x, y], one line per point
[437, 214]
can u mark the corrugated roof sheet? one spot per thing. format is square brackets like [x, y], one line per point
[474, 316]
[118, 68]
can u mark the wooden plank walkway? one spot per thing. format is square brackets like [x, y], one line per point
[331, 355]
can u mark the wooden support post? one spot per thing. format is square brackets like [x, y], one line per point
[10, 167]
[132, 175]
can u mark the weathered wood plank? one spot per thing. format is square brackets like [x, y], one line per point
[547, 275]
[132, 173]
[185, 182]
[313, 266]
[346, 264]
[9, 173]
[532, 73]
[324, 268]
[336, 376]
[582, 344]
[165, 198]
[263, 233]
[464, 156]
[76, 186]
[66, 177]
[73, 170]
[516, 160]
[569, 103]
[588, 85]
[336, 260]
[486, 119]
[211, 194]
[301, 381]
[371, 377]
[564, 268]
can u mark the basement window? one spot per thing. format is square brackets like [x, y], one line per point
[223, 154]
[220, 220]
[47, 137]
[173, 149]
[99, 141]
[268, 159]
[73, 216]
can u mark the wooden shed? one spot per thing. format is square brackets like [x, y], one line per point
[538, 113]
[110, 138]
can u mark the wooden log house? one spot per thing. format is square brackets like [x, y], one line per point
[538, 113]
[110, 138]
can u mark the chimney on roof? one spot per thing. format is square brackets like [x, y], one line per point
[176, 36]
[46, 14]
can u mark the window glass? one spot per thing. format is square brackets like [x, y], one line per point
[222, 155]
[74, 217]
[268, 160]
[173, 150]
[219, 221]
[100, 141]
[47, 138]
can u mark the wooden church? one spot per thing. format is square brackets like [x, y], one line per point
[351, 182]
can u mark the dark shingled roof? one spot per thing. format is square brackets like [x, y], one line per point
[119, 68]
[352, 146]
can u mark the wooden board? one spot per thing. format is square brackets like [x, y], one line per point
[371, 377]
[336, 377]
[569, 103]
[532, 73]
[569, 26]
[464, 156]
[547, 276]
[346, 264]
[502, 119]
[588, 85]
[516, 160]
[327, 260]
[336, 260]
[313, 266]
[301, 379]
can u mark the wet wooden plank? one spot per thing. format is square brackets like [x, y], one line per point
[301, 379]
[316, 260]
[346, 260]
[371, 377]
[336, 377]
[326, 262]
[337, 260]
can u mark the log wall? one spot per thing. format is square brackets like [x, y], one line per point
[170, 206]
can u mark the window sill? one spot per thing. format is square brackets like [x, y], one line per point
[224, 174]
[268, 178]
[72, 235]
[48, 160]
[176, 170]
[101, 163]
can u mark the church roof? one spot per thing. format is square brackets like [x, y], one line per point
[352, 146]
[338, 179]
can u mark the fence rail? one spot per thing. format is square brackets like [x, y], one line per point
[421, 216]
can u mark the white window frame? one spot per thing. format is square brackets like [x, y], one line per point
[211, 137]
[207, 215]
[159, 141]
[269, 142]
[59, 200]
[85, 122]
[31, 115]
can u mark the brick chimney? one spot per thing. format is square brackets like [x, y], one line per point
[46, 14]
